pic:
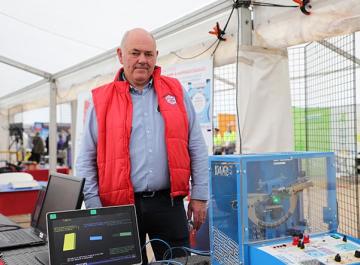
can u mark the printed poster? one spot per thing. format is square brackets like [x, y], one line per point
[197, 79]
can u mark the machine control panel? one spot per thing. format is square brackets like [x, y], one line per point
[321, 249]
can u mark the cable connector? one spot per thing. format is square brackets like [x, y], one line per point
[242, 3]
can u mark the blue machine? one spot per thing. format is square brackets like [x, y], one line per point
[276, 208]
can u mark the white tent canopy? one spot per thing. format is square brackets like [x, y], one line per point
[73, 32]
[54, 35]
[51, 37]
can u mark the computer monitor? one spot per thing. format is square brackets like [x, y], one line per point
[106, 235]
[63, 192]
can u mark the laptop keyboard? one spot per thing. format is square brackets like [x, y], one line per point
[16, 236]
[24, 259]
[25, 256]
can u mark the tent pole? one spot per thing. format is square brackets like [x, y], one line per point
[52, 128]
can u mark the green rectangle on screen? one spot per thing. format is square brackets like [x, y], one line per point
[92, 212]
[52, 216]
[125, 234]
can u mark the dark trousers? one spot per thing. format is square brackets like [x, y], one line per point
[161, 219]
[35, 157]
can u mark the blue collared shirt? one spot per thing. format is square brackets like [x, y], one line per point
[148, 154]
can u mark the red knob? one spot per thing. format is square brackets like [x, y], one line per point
[306, 239]
[295, 241]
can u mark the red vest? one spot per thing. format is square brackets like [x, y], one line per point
[113, 107]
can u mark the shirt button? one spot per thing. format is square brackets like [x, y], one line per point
[147, 131]
[150, 150]
[145, 114]
[150, 171]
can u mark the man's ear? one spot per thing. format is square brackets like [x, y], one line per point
[120, 55]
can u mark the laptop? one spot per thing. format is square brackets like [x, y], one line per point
[63, 192]
[106, 235]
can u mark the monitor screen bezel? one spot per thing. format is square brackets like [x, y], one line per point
[39, 232]
[38, 206]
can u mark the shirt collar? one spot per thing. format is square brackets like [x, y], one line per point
[135, 90]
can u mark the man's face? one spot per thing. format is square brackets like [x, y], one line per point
[138, 56]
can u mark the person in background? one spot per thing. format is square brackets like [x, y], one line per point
[37, 148]
[61, 150]
[68, 150]
[218, 142]
[141, 143]
[47, 145]
[229, 141]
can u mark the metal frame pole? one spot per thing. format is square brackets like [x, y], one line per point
[52, 128]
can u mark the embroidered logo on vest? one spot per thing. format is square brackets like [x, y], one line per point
[170, 99]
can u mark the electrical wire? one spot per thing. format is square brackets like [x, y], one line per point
[236, 5]
[173, 248]
[10, 227]
[217, 42]
[197, 55]
[162, 241]
[271, 5]
[197, 251]
[168, 261]
[248, 3]
[52, 32]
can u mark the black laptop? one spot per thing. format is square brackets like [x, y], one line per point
[94, 236]
[63, 192]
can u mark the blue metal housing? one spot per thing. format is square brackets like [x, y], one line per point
[261, 197]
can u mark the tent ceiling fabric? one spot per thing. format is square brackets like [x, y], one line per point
[328, 18]
[62, 34]
[54, 35]
[14, 78]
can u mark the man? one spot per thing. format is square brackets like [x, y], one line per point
[37, 148]
[230, 141]
[141, 143]
[218, 142]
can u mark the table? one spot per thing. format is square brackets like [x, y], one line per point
[18, 201]
[42, 174]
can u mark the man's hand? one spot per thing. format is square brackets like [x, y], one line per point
[197, 210]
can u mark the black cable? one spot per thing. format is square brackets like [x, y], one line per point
[248, 3]
[237, 4]
[217, 41]
[212, 54]
[197, 55]
[10, 227]
[272, 5]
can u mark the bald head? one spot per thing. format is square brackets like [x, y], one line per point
[138, 55]
[136, 32]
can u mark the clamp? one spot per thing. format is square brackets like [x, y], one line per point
[305, 6]
[218, 32]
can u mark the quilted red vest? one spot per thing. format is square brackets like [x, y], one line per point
[113, 107]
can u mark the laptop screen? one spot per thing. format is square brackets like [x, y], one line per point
[63, 193]
[94, 236]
